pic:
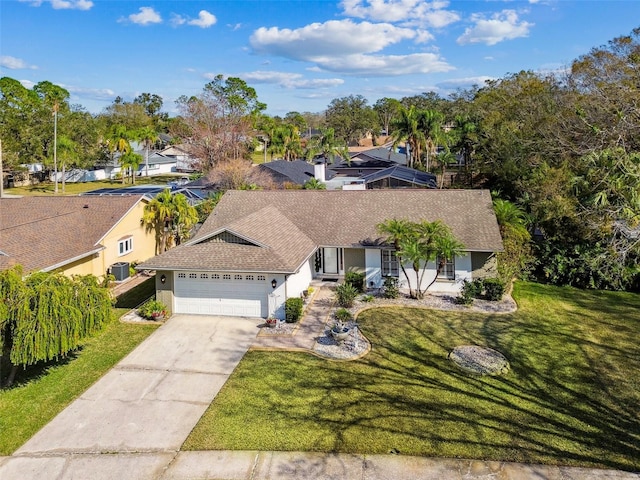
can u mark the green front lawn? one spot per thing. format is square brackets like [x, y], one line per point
[31, 404]
[571, 397]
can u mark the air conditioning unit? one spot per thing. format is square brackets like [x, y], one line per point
[120, 270]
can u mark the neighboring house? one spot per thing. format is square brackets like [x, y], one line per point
[158, 164]
[399, 176]
[385, 153]
[297, 172]
[259, 248]
[75, 235]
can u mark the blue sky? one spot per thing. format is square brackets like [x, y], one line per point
[298, 55]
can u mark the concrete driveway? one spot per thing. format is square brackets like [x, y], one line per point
[147, 404]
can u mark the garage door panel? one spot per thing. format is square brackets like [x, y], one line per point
[220, 297]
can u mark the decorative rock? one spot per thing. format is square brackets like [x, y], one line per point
[480, 360]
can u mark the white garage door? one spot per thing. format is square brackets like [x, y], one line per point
[237, 295]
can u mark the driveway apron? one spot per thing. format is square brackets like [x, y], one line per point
[148, 403]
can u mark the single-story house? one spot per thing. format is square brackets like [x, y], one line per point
[259, 248]
[399, 176]
[75, 235]
[296, 172]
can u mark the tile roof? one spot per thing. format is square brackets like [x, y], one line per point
[288, 225]
[44, 232]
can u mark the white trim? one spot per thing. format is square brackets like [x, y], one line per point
[125, 246]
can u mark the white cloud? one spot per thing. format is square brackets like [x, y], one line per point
[204, 20]
[422, 36]
[234, 27]
[92, 93]
[385, 65]
[332, 38]
[347, 47]
[455, 83]
[501, 26]
[177, 20]
[409, 12]
[290, 80]
[13, 63]
[63, 4]
[146, 16]
[71, 4]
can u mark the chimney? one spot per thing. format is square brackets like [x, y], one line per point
[318, 172]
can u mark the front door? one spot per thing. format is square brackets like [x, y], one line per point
[330, 260]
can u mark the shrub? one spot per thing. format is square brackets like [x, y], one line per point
[152, 309]
[367, 298]
[493, 289]
[356, 279]
[293, 309]
[343, 315]
[390, 288]
[346, 294]
[467, 293]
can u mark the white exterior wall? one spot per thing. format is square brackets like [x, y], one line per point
[277, 297]
[462, 272]
[373, 273]
[300, 281]
[295, 285]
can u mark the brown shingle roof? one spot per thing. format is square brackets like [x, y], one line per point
[290, 224]
[43, 232]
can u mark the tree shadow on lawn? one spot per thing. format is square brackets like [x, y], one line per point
[562, 402]
[558, 404]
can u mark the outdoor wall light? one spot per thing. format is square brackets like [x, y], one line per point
[274, 283]
[163, 279]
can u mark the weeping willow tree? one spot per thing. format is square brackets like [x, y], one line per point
[45, 316]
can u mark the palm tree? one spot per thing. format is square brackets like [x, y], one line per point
[170, 217]
[406, 129]
[466, 141]
[396, 232]
[314, 184]
[511, 219]
[119, 142]
[67, 154]
[447, 247]
[327, 145]
[430, 123]
[285, 141]
[418, 244]
[130, 161]
[148, 136]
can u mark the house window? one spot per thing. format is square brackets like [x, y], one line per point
[249, 277]
[237, 277]
[449, 270]
[204, 276]
[182, 275]
[261, 278]
[193, 275]
[226, 276]
[389, 263]
[125, 246]
[215, 276]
